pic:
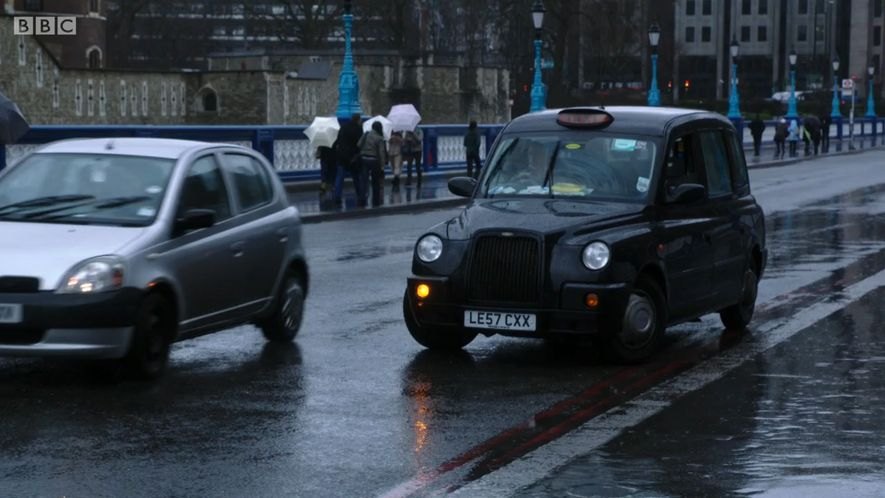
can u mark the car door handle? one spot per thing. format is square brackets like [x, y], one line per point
[283, 234]
[238, 248]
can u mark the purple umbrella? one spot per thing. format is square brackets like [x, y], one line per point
[13, 125]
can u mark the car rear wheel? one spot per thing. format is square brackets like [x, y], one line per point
[285, 321]
[642, 325]
[443, 339]
[155, 327]
[738, 316]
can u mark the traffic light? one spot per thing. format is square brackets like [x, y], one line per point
[687, 84]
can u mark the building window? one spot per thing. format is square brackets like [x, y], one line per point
[93, 56]
[708, 7]
[803, 6]
[746, 7]
[877, 8]
[39, 66]
[818, 6]
[803, 33]
[877, 63]
[689, 7]
[705, 34]
[93, 6]
[762, 33]
[763, 7]
[745, 33]
[689, 34]
[208, 100]
[34, 5]
[877, 36]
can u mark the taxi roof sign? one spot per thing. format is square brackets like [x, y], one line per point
[584, 118]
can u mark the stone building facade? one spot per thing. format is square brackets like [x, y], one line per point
[49, 92]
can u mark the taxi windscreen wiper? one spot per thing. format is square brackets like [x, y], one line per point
[47, 201]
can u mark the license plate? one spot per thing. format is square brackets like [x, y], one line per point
[499, 320]
[10, 313]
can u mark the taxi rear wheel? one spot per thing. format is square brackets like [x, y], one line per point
[642, 325]
[155, 327]
[738, 316]
[447, 339]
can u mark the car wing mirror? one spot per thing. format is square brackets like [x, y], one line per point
[194, 219]
[462, 186]
[687, 193]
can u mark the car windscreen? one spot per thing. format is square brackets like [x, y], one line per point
[99, 189]
[593, 166]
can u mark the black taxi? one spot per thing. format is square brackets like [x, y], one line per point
[602, 223]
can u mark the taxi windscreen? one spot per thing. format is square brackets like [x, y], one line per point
[594, 167]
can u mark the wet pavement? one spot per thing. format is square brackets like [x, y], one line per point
[356, 408]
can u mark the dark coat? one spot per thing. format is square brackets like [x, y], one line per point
[346, 146]
[756, 128]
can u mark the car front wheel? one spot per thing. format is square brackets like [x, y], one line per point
[285, 321]
[155, 327]
[738, 316]
[642, 325]
[445, 339]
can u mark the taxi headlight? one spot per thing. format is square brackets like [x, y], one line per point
[595, 255]
[95, 275]
[429, 248]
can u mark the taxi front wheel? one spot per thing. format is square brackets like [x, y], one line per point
[642, 325]
[444, 339]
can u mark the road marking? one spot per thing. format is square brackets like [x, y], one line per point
[538, 464]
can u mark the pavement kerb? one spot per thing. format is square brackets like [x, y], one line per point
[430, 205]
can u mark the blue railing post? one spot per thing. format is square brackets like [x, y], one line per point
[431, 140]
[262, 141]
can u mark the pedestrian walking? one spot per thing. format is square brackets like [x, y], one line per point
[328, 168]
[373, 157]
[793, 136]
[395, 152]
[347, 154]
[780, 138]
[413, 152]
[812, 128]
[825, 122]
[757, 127]
[472, 142]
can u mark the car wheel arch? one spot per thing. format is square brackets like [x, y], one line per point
[166, 290]
[299, 267]
[756, 260]
[656, 273]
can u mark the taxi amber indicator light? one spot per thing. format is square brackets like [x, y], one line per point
[584, 118]
[422, 291]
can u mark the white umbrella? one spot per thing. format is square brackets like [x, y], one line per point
[386, 125]
[322, 132]
[404, 117]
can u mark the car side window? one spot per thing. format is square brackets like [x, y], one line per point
[739, 176]
[682, 164]
[250, 182]
[204, 189]
[716, 163]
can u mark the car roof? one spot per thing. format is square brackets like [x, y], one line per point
[164, 148]
[627, 119]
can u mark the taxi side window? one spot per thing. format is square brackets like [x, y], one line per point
[739, 176]
[682, 165]
[716, 163]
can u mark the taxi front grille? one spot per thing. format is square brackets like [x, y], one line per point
[505, 270]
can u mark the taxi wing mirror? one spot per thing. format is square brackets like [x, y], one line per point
[687, 193]
[194, 219]
[462, 186]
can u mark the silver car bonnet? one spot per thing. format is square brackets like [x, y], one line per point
[49, 250]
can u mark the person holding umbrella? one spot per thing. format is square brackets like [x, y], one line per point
[373, 157]
[348, 155]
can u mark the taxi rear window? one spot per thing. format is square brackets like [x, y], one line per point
[597, 166]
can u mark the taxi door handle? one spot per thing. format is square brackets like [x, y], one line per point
[238, 248]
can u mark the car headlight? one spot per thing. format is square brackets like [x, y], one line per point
[430, 248]
[95, 275]
[595, 255]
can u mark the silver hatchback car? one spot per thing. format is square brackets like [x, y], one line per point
[116, 248]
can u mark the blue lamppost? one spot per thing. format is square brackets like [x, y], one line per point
[734, 103]
[654, 95]
[871, 102]
[836, 112]
[539, 92]
[348, 82]
[792, 112]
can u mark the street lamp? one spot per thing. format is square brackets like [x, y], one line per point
[836, 113]
[348, 81]
[792, 113]
[734, 111]
[871, 102]
[539, 93]
[654, 36]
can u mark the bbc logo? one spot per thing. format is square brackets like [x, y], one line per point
[45, 25]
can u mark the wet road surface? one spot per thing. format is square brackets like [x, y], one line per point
[356, 408]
